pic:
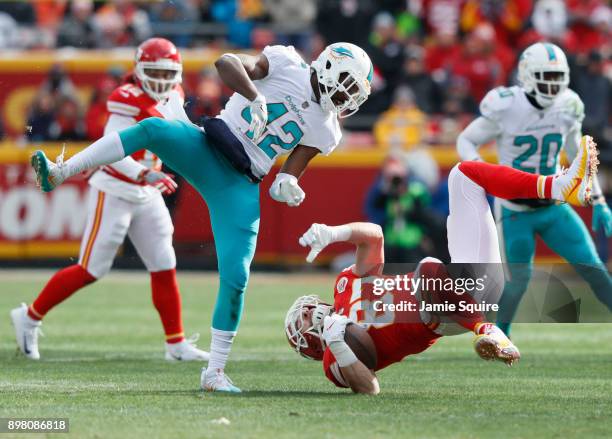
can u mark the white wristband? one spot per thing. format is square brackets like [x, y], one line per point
[343, 353]
[340, 233]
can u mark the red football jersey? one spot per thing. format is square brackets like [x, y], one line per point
[395, 334]
[132, 101]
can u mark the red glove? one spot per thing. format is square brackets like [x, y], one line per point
[164, 182]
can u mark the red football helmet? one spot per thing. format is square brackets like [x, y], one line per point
[158, 67]
[308, 342]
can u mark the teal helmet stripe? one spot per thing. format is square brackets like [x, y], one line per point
[552, 56]
[371, 73]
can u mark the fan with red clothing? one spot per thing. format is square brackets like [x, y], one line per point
[125, 200]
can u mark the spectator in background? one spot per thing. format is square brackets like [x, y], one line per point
[549, 21]
[458, 110]
[441, 17]
[121, 23]
[400, 205]
[598, 35]
[77, 29]
[402, 125]
[292, 20]
[208, 99]
[97, 114]
[49, 13]
[9, 32]
[22, 12]
[345, 20]
[426, 91]
[595, 90]
[478, 62]
[508, 17]
[385, 49]
[173, 20]
[68, 123]
[40, 118]
[442, 48]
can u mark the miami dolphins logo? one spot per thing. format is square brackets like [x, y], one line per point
[342, 51]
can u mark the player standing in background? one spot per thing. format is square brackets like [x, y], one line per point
[126, 199]
[317, 330]
[530, 123]
[280, 105]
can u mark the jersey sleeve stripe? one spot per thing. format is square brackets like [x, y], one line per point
[121, 108]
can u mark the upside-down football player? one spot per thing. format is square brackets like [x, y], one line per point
[351, 346]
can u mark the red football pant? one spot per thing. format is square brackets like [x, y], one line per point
[62, 285]
[505, 182]
[167, 301]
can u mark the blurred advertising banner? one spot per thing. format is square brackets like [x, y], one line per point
[22, 73]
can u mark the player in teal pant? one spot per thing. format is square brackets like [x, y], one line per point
[530, 123]
[281, 105]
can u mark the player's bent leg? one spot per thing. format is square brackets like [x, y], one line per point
[151, 233]
[570, 239]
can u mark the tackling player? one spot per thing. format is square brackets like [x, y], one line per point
[281, 105]
[530, 123]
[126, 199]
[318, 330]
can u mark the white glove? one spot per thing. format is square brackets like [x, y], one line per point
[318, 315]
[319, 236]
[259, 116]
[286, 190]
[164, 182]
[334, 327]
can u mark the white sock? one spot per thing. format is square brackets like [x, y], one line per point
[220, 347]
[104, 151]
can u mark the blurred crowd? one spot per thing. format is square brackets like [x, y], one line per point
[434, 59]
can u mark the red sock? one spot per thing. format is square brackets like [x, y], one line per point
[167, 301]
[505, 182]
[62, 285]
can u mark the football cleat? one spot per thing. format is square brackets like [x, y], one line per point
[574, 185]
[491, 343]
[217, 381]
[186, 350]
[49, 175]
[26, 332]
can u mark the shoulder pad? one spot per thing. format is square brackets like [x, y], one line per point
[127, 100]
[572, 106]
[497, 101]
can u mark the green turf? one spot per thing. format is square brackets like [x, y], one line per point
[102, 368]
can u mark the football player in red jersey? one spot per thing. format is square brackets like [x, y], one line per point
[126, 199]
[317, 330]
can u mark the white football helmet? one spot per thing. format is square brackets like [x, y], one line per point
[308, 342]
[543, 72]
[344, 68]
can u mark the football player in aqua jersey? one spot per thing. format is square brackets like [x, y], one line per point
[280, 106]
[530, 124]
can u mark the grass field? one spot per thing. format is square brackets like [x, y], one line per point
[103, 369]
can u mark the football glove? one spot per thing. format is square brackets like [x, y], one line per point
[285, 189]
[319, 236]
[259, 116]
[164, 182]
[334, 327]
[602, 218]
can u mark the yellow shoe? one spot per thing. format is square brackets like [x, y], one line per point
[491, 343]
[575, 183]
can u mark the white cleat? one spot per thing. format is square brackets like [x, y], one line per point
[217, 381]
[491, 343]
[186, 350]
[26, 332]
[49, 175]
[574, 185]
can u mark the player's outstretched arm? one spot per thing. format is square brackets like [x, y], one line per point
[367, 237]
[356, 374]
[285, 188]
